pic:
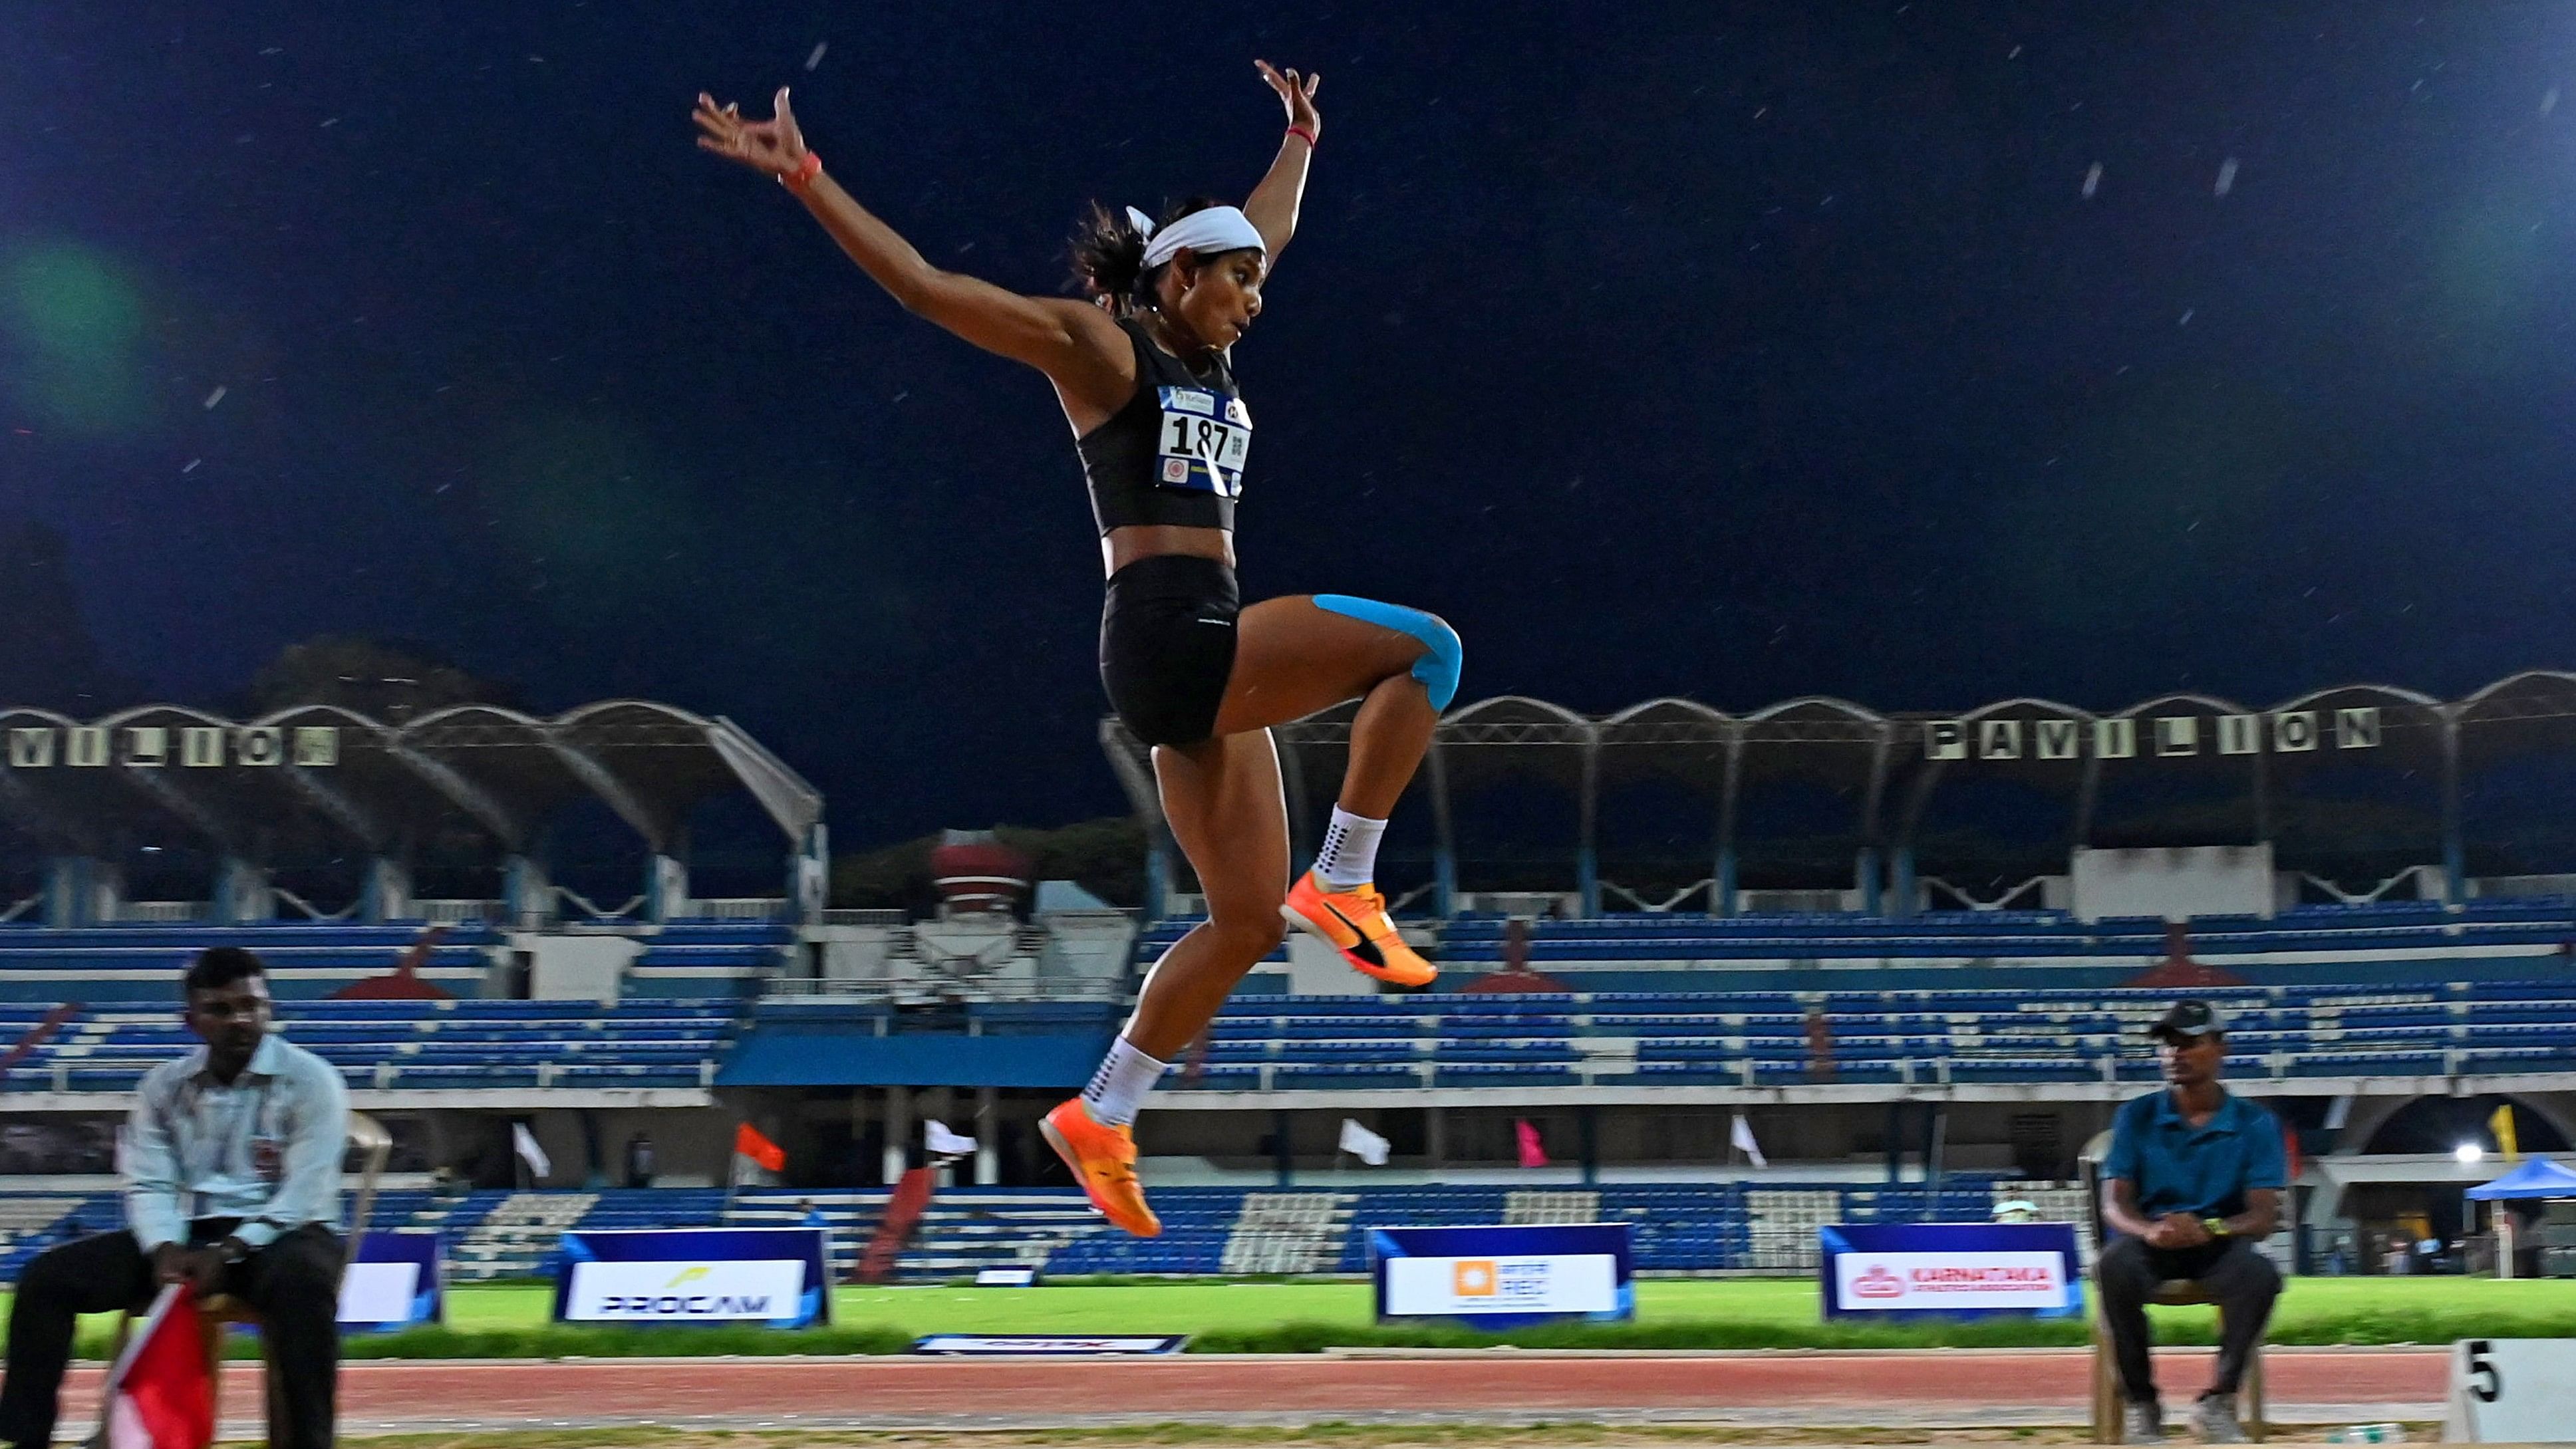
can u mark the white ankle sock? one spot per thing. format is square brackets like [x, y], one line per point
[1118, 1089]
[1349, 856]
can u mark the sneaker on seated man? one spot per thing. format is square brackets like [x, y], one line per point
[2193, 1182]
[232, 1168]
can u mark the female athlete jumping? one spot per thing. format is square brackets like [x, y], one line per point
[1144, 373]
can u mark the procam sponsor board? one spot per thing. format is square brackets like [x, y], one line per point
[774, 1276]
[683, 1292]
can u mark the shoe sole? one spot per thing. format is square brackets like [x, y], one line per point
[1082, 1179]
[1297, 918]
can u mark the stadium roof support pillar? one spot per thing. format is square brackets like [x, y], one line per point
[527, 897]
[1873, 882]
[1444, 837]
[82, 890]
[242, 894]
[1587, 854]
[809, 875]
[1901, 859]
[898, 1133]
[386, 896]
[1722, 883]
[2087, 790]
[2454, 852]
[2262, 798]
[988, 1148]
[666, 888]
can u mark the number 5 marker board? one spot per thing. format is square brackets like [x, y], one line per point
[2512, 1391]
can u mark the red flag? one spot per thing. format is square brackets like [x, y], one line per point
[1533, 1154]
[748, 1142]
[2290, 1151]
[161, 1395]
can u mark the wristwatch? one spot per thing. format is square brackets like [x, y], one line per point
[2215, 1227]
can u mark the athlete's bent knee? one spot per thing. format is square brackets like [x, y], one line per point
[1250, 936]
[1443, 655]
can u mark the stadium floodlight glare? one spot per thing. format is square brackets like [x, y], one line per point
[2468, 1152]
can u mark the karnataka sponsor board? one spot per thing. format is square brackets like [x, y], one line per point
[1950, 1270]
[1567, 1283]
[1877, 1282]
[710, 1292]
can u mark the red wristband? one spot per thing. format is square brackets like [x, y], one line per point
[1302, 131]
[804, 174]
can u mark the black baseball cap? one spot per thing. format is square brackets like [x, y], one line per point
[2188, 1018]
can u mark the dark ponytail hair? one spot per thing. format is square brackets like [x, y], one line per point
[1109, 254]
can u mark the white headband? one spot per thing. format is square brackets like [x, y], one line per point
[1217, 229]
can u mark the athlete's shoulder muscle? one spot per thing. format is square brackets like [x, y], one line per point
[1073, 343]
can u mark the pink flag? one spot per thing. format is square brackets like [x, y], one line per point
[161, 1396]
[1532, 1153]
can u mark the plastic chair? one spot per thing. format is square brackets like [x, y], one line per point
[2172, 1293]
[366, 1136]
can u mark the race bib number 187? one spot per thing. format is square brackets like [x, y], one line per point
[1204, 441]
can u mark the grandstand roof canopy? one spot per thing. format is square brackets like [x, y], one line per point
[1889, 768]
[79, 785]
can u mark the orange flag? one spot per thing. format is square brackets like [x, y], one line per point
[748, 1142]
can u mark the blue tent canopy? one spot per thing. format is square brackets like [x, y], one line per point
[2539, 1177]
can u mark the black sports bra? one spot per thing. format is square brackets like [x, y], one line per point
[1174, 454]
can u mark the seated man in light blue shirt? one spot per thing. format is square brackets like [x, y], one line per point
[233, 1186]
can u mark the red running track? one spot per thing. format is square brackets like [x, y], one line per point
[1845, 1388]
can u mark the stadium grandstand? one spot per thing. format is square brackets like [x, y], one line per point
[1909, 955]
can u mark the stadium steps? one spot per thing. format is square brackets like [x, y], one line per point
[963, 1231]
[519, 1237]
[1782, 1224]
[850, 1218]
[1288, 1232]
[1537, 1206]
[28, 1227]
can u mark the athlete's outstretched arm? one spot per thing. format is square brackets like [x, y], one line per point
[1056, 335]
[1272, 207]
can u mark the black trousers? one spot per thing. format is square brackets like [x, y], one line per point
[2243, 1281]
[293, 1282]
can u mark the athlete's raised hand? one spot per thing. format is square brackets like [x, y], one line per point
[773, 146]
[1297, 93]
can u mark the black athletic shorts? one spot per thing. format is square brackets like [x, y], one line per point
[1167, 645]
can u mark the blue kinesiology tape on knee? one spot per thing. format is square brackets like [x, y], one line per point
[1438, 667]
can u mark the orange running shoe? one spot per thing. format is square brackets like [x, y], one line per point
[1103, 1160]
[1355, 922]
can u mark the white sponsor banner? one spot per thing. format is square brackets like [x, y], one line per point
[685, 1292]
[378, 1292]
[1007, 1344]
[1933, 1281]
[1549, 1283]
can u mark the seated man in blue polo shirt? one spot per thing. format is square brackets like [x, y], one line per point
[2193, 1182]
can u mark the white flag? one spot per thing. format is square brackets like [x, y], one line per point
[944, 1143]
[1363, 1144]
[1741, 1135]
[529, 1152]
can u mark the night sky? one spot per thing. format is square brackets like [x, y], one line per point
[1919, 354]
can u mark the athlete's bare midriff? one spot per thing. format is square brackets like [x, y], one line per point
[1129, 542]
